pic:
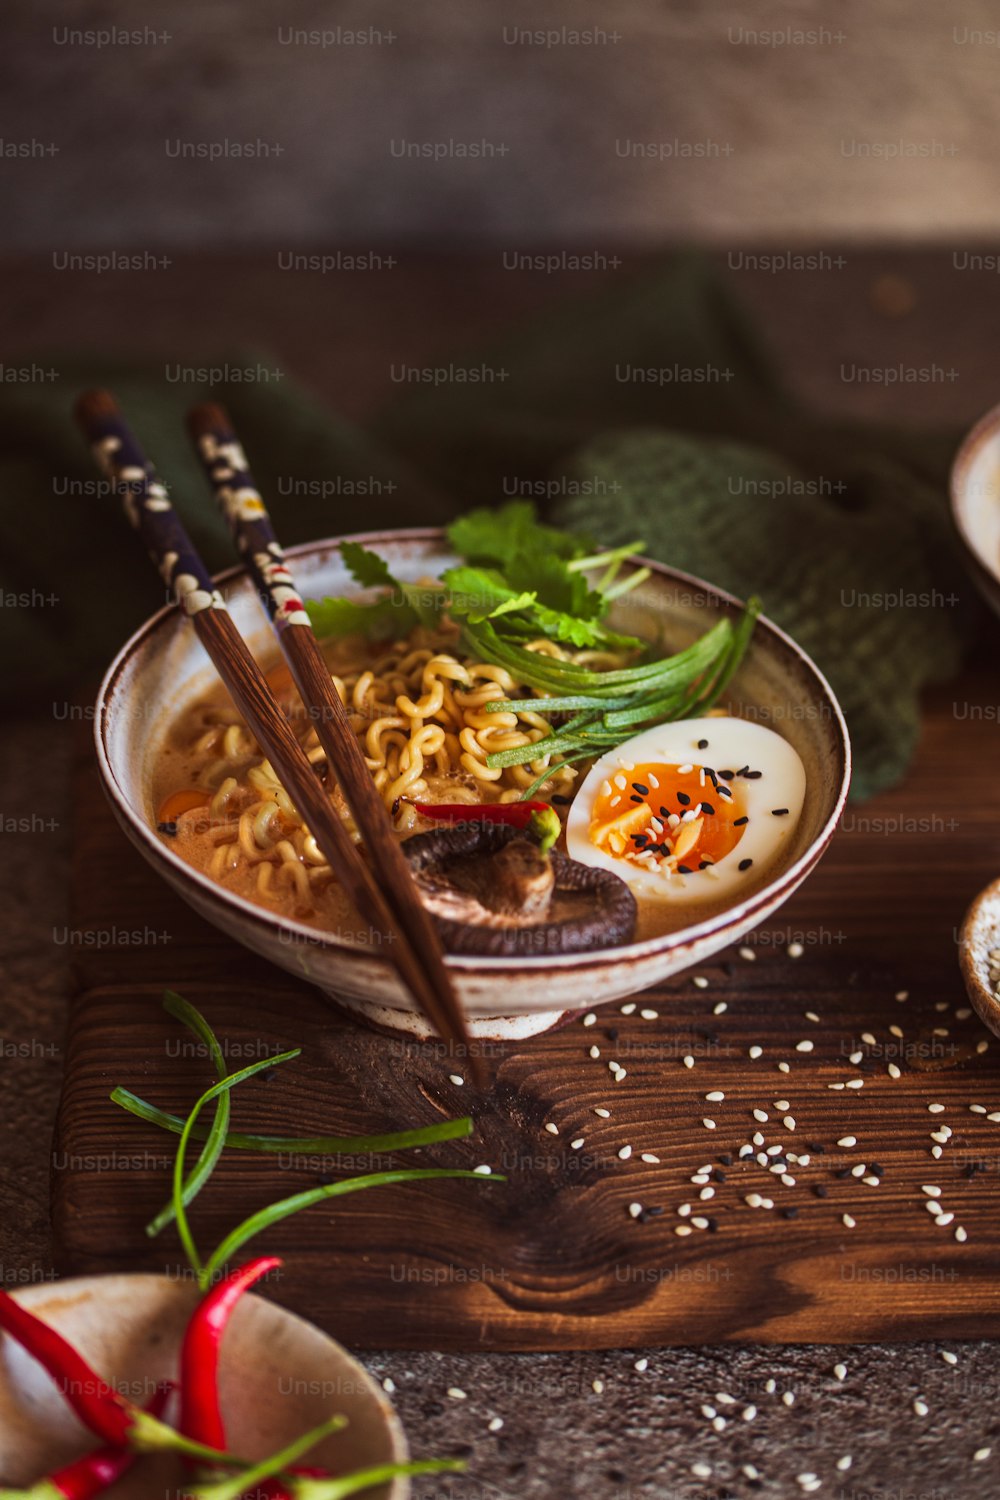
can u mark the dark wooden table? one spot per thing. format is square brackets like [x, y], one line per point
[589, 1424]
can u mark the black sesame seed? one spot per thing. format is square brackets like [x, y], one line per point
[708, 809]
[790, 1212]
[560, 800]
[726, 1158]
[170, 829]
[727, 775]
[819, 1190]
[970, 1170]
[718, 1175]
[705, 864]
[876, 1168]
[724, 791]
[816, 1146]
[684, 870]
[664, 812]
[637, 786]
[711, 1225]
[633, 798]
[752, 775]
[743, 770]
[703, 744]
[640, 840]
[843, 1172]
[745, 864]
[683, 798]
[611, 1032]
[738, 822]
[653, 1211]
[779, 812]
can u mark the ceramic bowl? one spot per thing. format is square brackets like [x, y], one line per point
[163, 667]
[975, 503]
[979, 936]
[278, 1377]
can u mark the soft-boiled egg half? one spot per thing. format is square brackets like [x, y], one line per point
[689, 811]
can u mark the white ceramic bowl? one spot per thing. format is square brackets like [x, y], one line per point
[975, 503]
[278, 1377]
[163, 667]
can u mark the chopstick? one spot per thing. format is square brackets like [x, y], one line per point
[420, 964]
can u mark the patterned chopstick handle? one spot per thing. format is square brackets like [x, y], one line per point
[239, 500]
[147, 504]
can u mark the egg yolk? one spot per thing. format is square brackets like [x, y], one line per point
[677, 814]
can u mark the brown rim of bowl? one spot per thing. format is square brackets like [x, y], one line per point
[684, 937]
[986, 427]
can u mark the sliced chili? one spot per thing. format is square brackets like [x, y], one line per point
[91, 1475]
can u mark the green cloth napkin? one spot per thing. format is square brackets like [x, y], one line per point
[842, 530]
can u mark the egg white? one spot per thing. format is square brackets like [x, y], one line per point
[732, 744]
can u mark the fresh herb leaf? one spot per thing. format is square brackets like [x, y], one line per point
[498, 536]
[370, 570]
[394, 613]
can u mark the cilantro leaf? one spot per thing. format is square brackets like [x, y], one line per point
[368, 568]
[497, 536]
[378, 620]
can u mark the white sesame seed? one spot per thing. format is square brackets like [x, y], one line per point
[931, 1190]
[576, 1145]
[948, 1357]
[795, 950]
[783, 1068]
[699, 1222]
[683, 1210]
[937, 1153]
[748, 1413]
[993, 1116]
[770, 1386]
[708, 1124]
[902, 995]
[847, 1141]
[855, 1058]
[805, 1480]
[706, 1193]
[456, 1393]
[840, 1371]
[782, 1104]
[641, 1365]
[457, 1079]
[700, 982]
[758, 1139]
[590, 1019]
[855, 1083]
[893, 1071]
[872, 1181]
[859, 1170]
[701, 1471]
[755, 1052]
[920, 1407]
[788, 1397]
[981, 1047]
[595, 1052]
[635, 1209]
[388, 1385]
[620, 1073]
[789, 1122]
[761, 1115]
[848, 1221]
[943, 1136]
[748, 955]
[495, 1424]
[597, 1386]
[627, 1010]
[715, 1097]
[552, 1129]
[648, 1156]
[720, 1008]
[981, 1454]
[933, 1207]
[963, 1013]
[719, 1423]
[699, 1178]
[605, 1114]
[896, 1031]
[745, 1151]
[961, 1234]
[806, 1046]
[935, 1109]
[483, 1170]
[753, 1200]
[811, 1015]
[682, 1229]
[977, 1109]
[843, 1464]
[835, 1085]
[943, 1220]
[649, 1015]
[625, 1153]
[689, 1061]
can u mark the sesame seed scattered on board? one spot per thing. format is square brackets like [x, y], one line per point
[628, 1009]
[688, 1061]
[788, 1397]
[720, 1008]
[981, 1454]
[590, 1019]
[595, 1052]
[783, 1068]
[795, 950]
[495, 1424]
[456, 1079]
[456, 1393]
[700, 982]
[755, 1052]
[847, 1141]
[843, 1464]
[848, 1221]
[635, 1209]
[840, 1371]
[893, 1071]
[605, 1114]
[625, 1153]
[715, 1097]
[902, 995]
[935, 1109]
[597, 1386]
[748, 955]
[388, 1385]
[551, 1128]
[708, 1124]
[806, 1046]
[641, 1365]
[920, 1407]
[577, 1144]
[948, 1357]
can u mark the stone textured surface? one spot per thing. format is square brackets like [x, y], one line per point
[781, 128]
[642, 1434]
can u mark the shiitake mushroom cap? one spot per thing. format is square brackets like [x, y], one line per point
[590, 908]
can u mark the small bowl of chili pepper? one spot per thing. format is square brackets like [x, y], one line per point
[95, 1368]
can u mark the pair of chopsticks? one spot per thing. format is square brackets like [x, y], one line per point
[384, 891]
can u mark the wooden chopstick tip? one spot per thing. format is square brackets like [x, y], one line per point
[93, 407]
[209, 419]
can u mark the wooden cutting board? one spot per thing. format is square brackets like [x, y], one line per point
[553, 1259]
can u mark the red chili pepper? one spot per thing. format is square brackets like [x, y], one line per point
[539, 819]
[201, 1418]
[512, 814]
[94, 1473]
[96, 1403]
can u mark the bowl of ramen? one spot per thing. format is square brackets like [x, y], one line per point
[694, 766]
[975, 503]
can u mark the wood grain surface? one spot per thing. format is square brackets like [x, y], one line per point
[553, 1259]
